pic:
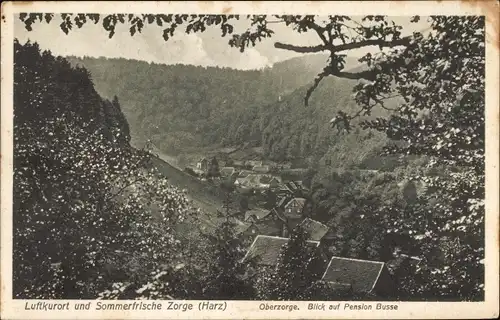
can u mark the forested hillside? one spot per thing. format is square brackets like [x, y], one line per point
[180, 107]
[84, 200]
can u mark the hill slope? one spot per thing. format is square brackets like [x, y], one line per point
[182, 107]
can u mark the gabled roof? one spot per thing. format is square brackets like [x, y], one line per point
[261, 168]
[259, 213]
[267, 249]
[299, 201]
[268, 179]
[241, 227]
[281, 203]
[294, 208]
[361, 274]
[227, 170]
[285, 188]
[269, 227]
[315, 229]
[292, 185]
[254, 162]
[244, 173]
[251, 179]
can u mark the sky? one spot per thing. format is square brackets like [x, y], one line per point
[203, 49]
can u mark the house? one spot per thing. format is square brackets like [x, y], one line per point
[253, 163]
[252, 181]
[284, 190]
[284, 166]
[246, 182]
[222, 163]
[300, 185]
[238, 163]
[245, 230]
[261, 169]
[227, 171]
[266, 249]
[294, 208]
[269, 227]
[244, 173]
[362, 276]
[283, 200]
[315, 229]
[291, 187]
[269, 182]
[295, 186]
[232, 209]
[257, 214]
[278, 214]
[198, 171]
[329, 239]
[203, 165]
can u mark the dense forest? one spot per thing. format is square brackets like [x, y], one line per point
[182, 107]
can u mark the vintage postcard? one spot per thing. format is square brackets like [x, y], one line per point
[250, 160]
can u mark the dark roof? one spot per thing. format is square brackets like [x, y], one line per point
[244, 173]
[269, 228]
[315, 229]
[285, 188]
[241, 228]
[267, 179]
[252, 179]
[229, 170]
[254, 162]
[294, 208]
[283, 201]
[361, 274]
[300, 202]
[267, 249]
[259, 213]
[263, 168]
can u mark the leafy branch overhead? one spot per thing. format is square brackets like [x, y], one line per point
[336, 34]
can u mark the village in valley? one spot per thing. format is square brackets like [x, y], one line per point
[271, 208]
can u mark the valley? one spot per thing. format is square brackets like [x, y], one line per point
[321, 177]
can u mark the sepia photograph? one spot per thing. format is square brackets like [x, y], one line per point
[175, 155]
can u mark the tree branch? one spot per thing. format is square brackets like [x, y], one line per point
[300, 49]
[368, 75]
[123, 188]
[342, 47]
[317, 80]
[374, 42]
[319, 30]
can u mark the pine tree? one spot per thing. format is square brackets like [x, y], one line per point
[213, 168]
[227, 276]
[294, 274]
